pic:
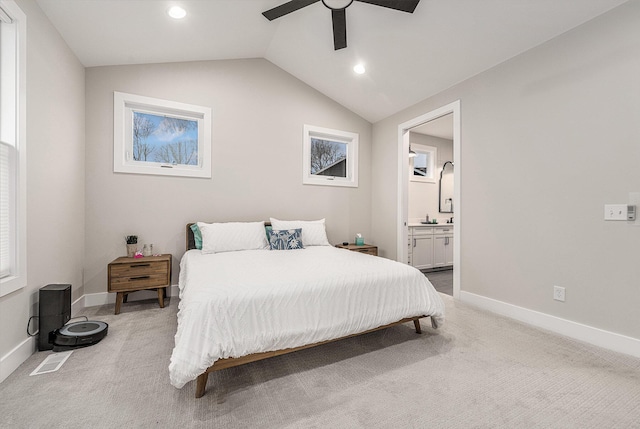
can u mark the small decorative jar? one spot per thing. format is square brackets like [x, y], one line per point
[131, 250]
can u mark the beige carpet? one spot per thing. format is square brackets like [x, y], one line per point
[478, 371]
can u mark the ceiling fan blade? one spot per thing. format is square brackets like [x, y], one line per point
[339, 18]
[286, 8]
[401, 5]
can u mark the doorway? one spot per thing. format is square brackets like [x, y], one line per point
[404, 131]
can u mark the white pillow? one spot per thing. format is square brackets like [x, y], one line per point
[231, 236]
[313, 231]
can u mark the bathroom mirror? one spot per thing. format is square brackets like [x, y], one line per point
[446, 188]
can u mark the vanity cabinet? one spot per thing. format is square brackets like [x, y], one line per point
[421, 248]
[430, 246]
[442, 247]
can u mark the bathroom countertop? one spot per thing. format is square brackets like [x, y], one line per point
[411, 225]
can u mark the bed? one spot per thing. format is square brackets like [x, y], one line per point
[242, 306]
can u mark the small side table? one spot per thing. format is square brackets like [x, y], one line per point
[126, 275]
[369, 249]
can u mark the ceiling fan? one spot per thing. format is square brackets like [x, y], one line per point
[338, 13]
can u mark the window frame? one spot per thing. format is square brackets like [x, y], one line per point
[123, 107]
[433, 156]
[17, 274]
[346, 137]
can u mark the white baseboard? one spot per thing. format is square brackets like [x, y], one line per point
[588, 334]
[77, 306]
[12, 360]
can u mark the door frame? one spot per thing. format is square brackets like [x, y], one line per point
[403, 184]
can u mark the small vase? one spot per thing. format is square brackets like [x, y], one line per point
[131, 250]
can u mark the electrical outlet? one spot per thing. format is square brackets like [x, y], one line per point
[615, 212]
[558, 293]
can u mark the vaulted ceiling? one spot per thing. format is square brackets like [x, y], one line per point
[408, 57]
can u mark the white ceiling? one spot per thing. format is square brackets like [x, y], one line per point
[408, 57]
[441, 127]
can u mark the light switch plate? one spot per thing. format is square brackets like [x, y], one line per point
[615, 212]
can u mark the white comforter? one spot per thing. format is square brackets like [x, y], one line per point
[238, 303]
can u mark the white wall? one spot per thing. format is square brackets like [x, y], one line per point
[548, 138]
[423, 197]
[258, 117]
[55, 178]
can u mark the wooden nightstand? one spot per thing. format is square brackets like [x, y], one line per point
[365, 248]
[130, 274]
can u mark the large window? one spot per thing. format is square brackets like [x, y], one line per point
[153, 136]
[330, 157]
[13, 255]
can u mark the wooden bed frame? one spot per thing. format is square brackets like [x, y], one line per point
[201, 381]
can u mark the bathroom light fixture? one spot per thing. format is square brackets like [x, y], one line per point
[177, 12]
[359, 68]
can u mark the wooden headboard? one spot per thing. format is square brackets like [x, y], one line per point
[191, 242]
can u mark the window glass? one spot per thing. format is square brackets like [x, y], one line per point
[423, 164]
[6, 206]
[328, 158]
[164, 139]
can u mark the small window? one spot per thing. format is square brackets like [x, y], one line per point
[153, 136]
[423, 163]
[330, 157]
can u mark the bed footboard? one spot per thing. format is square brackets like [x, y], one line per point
[201, 381]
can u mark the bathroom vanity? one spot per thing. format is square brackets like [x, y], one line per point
[430, 246]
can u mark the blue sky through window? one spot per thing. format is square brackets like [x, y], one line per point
[164, 139]
[421, 164]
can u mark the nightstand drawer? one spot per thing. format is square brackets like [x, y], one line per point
[140, 281]
[368, 250]
[137, 269]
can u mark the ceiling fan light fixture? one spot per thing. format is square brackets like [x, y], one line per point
[337, 4]
[176, 12]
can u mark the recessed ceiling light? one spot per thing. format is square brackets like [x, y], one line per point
[177, 12]
[359, 68]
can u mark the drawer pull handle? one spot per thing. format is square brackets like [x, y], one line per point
[139, 278]
[139, 265]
